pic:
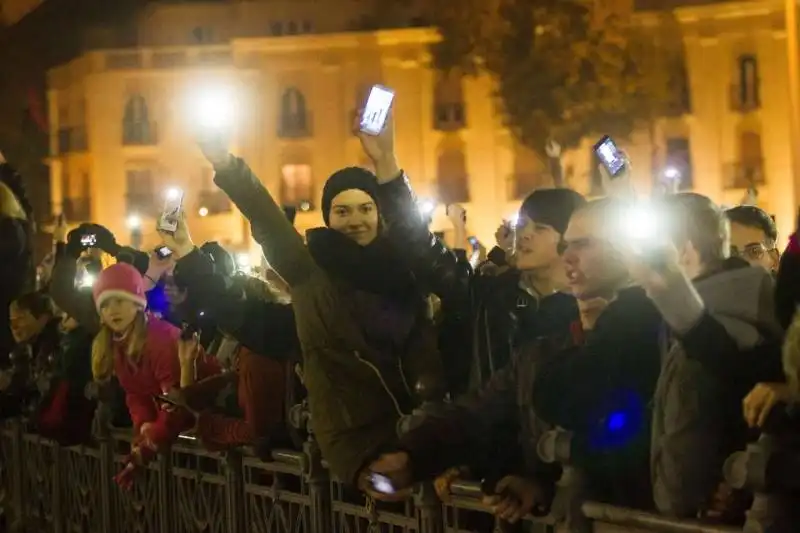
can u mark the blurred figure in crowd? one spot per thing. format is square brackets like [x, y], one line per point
[17, 273]
[29, 365]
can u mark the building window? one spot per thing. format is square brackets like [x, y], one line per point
[297, 187]
[452, 176]
[748, 87]
[276, 29]
[294, 117]
[307, 26]
[291, 28]
[448, 112]
[202, 35]
[136, 127]
[528, 174]
[678, 163]
[140, 195]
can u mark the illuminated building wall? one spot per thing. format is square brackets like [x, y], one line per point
[120, 137]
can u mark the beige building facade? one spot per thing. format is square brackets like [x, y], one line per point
[121, 119]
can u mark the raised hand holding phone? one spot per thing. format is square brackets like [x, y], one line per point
[614, 168]
[178, 241]
[170, 216]
[378, 142]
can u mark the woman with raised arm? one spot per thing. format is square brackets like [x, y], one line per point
[366, 339]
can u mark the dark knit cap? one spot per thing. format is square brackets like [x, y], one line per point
[552, 207]
[346, 179]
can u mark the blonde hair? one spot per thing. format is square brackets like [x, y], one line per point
[103, 348]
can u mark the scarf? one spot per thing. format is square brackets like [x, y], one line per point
[375, 268]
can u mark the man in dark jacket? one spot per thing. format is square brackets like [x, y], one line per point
[615, 348]
[498, 312]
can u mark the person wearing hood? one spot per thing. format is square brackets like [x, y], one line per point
[16, 247]
[723, 338]
[362, 322]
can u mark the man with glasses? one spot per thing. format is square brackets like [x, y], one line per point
[754, 236]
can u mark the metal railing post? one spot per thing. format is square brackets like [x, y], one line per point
[17, 464]
[556, 447]
[234, 493]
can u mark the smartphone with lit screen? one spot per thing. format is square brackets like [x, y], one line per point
[168, 221]
[162, 252]
[381, 484]
[610, 156]
[89, 240]
[376, 111]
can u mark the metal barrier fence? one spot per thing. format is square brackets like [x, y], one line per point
[46, 488]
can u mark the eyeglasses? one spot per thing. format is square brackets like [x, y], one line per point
[752, 252]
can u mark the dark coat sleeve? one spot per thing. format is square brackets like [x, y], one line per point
[283, 246]
[452, 439]
[436, 266]
[709, 343]
[77, 304]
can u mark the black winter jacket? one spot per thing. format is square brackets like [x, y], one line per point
[493, 312]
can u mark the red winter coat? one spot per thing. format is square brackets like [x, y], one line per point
[157, 372]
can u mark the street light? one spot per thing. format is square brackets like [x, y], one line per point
[203, 211]
[134, 223]
[173, 193]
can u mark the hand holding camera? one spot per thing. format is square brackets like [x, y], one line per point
[91, 236]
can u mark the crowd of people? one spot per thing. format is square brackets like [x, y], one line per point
[661, 352]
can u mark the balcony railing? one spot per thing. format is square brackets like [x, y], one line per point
[449, 117]
[745, 101]
[139, 134]
[77, 209]
[72, 140]
[743, 174]
[47, 488]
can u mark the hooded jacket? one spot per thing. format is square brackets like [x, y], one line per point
[696, 421]
[356, 397]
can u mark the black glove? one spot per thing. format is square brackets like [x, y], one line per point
[105, 239]
[74, 246]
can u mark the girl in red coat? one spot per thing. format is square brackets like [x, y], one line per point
[142, 351]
